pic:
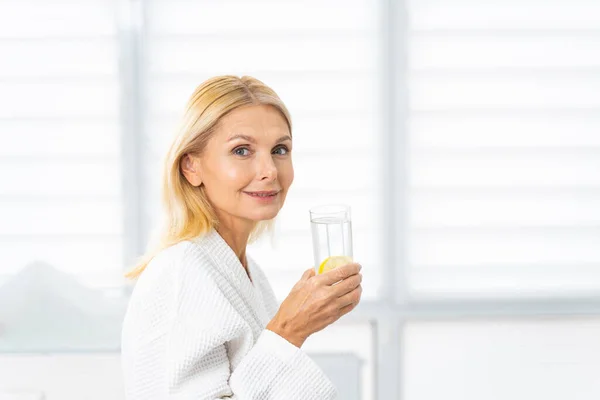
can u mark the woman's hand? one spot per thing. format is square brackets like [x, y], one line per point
[316, 302]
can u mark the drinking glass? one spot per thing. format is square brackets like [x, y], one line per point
[331, 228]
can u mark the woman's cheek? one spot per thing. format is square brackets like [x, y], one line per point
[232, 171]
[289, 173]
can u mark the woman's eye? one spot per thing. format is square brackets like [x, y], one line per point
[240, 151]
[285, 150]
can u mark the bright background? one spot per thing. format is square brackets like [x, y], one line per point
[464, 134]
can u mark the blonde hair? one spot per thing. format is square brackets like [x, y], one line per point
[187, 213]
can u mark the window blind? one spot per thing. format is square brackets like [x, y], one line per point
[504, 166]
[322, 59]
[60, 184]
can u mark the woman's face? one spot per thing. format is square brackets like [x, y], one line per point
[246, 167]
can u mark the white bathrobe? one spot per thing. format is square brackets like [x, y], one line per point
[195, 329]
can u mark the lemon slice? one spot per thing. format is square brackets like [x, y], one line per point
[333, 262]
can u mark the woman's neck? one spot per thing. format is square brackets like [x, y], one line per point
[237, 239]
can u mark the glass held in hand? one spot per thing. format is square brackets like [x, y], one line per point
[331, 228]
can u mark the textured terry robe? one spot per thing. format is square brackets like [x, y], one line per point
[195, 329]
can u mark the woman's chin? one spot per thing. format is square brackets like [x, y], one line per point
[264, 215]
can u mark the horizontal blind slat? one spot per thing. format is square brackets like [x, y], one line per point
[479, 247]
[61, 179]
[507, 15]
[189, 18]
[72, 19]
[276, 54]
[59, 138]
[478, 90]
[77, 217]
[472, 51]
[468, 130]
[95, 97]
[430, 210]
[71, 255]
[487, 169]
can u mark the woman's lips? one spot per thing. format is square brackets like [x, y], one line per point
[263, 196]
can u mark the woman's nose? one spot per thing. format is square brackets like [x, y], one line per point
[267, 168]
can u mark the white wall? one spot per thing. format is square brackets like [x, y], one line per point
[499, 359]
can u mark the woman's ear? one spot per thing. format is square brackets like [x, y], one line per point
[191, 171]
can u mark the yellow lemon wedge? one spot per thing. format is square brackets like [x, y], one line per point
[333, 262]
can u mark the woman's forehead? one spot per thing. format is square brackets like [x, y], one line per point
[256, 122]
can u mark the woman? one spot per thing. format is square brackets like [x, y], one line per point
[203, 321]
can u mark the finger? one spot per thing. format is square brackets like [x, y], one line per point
[308, 274]
[340, 273]
[346, 309]
[347, 285]
[352, 297]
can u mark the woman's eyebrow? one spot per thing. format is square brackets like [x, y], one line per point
[283, 139]
[251, 139]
